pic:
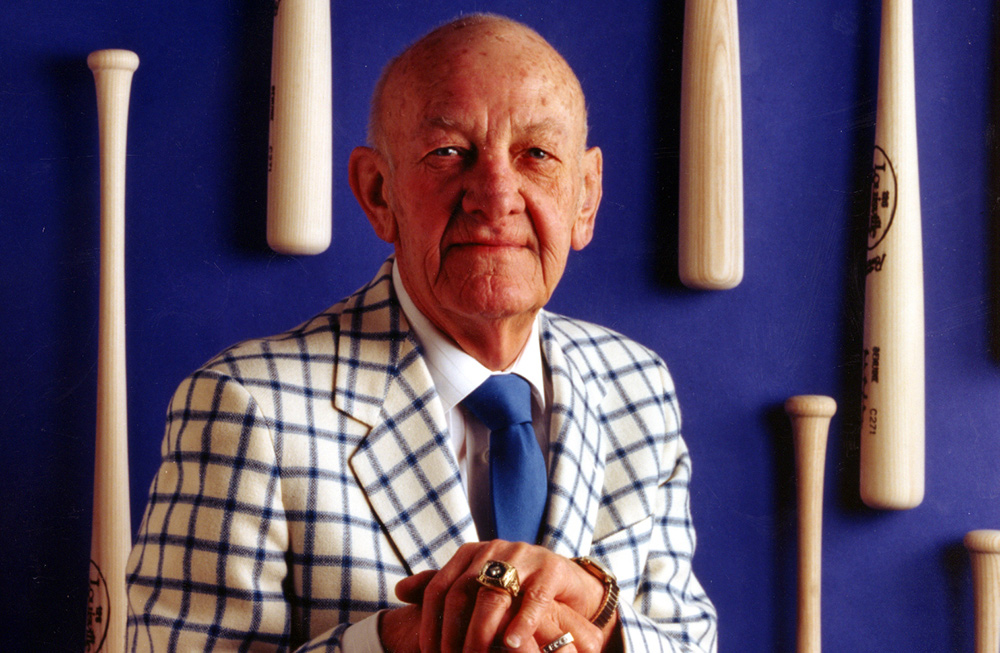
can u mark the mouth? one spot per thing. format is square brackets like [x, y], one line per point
[486, 245]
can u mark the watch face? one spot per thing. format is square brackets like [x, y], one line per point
[587, 560]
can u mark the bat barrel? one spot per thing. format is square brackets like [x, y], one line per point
[892, 430]
[300, 148]
[710, 211]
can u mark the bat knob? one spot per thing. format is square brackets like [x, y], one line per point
[983, 545]
[113, 59]
[983, 541]
[810, 406]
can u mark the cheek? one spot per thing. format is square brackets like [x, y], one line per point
[422, 195]
[554, 212]
[422, 209]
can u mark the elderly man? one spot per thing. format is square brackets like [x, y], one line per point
[436, 463]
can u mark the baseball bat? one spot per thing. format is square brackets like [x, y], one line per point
[984, 551]
[710, 216]
[810, 416]
[300, 147]
[111, 536]
[892, 429]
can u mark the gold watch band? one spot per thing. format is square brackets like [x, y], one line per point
[610, 602]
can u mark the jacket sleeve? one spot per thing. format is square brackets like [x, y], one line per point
[209, 569]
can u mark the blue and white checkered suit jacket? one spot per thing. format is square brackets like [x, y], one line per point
[305, 474]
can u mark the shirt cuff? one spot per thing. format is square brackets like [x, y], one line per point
[362, 637]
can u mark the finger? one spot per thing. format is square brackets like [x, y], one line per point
[488, 616]
[587, 638]
[396, 627]
[435, 594]
[458, 608]
[411, 588]
[536, 601]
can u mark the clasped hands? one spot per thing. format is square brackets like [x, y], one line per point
[449, 611]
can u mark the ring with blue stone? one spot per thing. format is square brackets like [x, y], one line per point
[498, 575]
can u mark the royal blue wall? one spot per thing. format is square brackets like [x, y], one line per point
[201, 277]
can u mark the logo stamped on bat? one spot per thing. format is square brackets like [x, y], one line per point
[882, 209]
[869, 374]
[875, 264]
[98, 605]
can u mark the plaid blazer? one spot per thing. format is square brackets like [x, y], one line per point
[305, 474]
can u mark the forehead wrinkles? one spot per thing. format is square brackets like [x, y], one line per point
[467, 61]
[524, 108]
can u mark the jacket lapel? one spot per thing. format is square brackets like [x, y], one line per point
[577, 449]
[404, 466]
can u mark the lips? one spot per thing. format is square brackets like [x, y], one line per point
[485, 251]
[491, 244]
[485, 241]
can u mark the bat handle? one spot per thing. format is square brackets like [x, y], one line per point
[984, 550]
[810, 416]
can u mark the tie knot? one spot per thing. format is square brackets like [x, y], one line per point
[501, 401]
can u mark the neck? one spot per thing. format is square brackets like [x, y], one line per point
[494, 343]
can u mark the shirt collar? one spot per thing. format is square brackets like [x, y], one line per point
[455, 373]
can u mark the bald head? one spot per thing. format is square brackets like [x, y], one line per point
[469, 46]
[480, 176]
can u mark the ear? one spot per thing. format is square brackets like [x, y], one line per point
[367, 174]
[593, 188]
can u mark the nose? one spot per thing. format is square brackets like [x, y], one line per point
[492, 188]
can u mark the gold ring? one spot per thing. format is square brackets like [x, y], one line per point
[558, 644]
[497, 575]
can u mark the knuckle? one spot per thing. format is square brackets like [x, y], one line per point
[469, 546]
[587, 643]
[589, 639]
[488, 598]
[455, 600]
[536, 597]
[548, 621]
[435, 589]
[521, 548]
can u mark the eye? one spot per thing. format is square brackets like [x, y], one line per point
[538, 154]
[446, 151]
[446, 157]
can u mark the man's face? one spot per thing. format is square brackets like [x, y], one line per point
[488, 183]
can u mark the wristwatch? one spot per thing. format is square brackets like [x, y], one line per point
[610, 602]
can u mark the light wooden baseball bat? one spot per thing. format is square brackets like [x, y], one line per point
[892, 429]
[111, 537]
[984, 549]
[300, 148]
[810, 416]
[710, 242]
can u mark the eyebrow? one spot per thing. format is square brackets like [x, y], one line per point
[441, 122]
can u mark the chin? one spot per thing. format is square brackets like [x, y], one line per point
[500, 301]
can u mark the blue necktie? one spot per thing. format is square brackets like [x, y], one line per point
[518, 480]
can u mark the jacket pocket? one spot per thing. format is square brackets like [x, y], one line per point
[624, 552]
